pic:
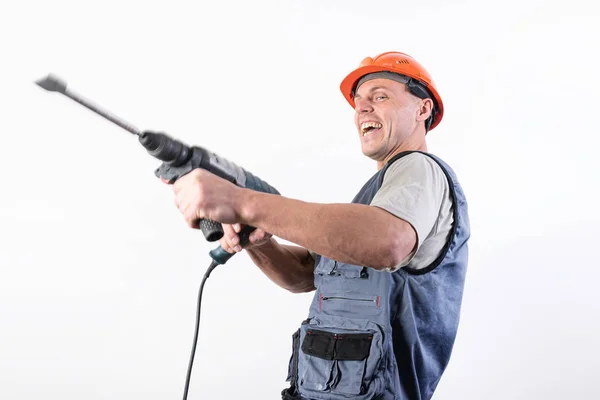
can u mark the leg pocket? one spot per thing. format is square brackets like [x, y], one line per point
[335, 363]
[350, 357]
[292, 375]
[318, 350]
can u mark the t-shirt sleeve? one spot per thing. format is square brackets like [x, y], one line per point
[413, 189]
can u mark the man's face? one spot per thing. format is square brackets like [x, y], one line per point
[385, 116]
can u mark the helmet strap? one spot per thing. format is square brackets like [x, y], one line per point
[416, 88]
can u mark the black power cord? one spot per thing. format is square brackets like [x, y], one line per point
[212, 266]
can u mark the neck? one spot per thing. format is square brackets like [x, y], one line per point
[420, 146]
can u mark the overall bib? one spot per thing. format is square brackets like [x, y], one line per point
[377, 334]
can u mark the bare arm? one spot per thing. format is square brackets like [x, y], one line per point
[290, 267]
[352, 233]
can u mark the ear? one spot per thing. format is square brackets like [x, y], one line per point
[424, 110]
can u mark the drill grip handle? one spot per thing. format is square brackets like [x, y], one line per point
[180, 159]
[212, 230]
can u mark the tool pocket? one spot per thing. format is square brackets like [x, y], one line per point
[330, 267]
[348, 304]
[325, 266]
[292, 376]
[334, 363]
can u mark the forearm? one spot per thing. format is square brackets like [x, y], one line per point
[290, 267]
[351, 233]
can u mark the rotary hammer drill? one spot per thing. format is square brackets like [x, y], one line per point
[178, 160]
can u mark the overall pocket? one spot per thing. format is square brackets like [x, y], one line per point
[292, 375]
[349, 304]
[334, 362]
[329, 267]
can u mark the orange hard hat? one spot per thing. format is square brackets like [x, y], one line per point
[398, 63]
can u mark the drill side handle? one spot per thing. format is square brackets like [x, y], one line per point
[220, 256]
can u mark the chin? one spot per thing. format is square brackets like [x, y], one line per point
[369, 153]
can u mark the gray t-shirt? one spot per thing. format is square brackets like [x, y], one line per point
[416, 190]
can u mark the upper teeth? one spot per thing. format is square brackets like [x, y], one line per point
[365, 125]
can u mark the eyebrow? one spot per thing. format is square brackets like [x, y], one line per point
[373, 89]
[377, 88]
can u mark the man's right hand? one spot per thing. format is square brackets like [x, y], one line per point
[230, 241]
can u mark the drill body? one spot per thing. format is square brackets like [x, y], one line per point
[180, 159]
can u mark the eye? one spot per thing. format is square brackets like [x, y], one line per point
[380, 97]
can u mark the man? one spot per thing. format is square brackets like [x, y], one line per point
[388, 269]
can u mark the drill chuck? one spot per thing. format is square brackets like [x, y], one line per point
[172, 152]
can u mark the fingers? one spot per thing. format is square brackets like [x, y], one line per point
[231, 240]
[186, 200]
[259, 237]
[189, 212]
[191, 200]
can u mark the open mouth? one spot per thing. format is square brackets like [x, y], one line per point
[366, 128]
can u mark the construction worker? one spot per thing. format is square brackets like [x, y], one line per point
[387, 269]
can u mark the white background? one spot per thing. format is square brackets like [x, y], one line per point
[99, 274]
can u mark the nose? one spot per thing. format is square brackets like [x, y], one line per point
[362, 105]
